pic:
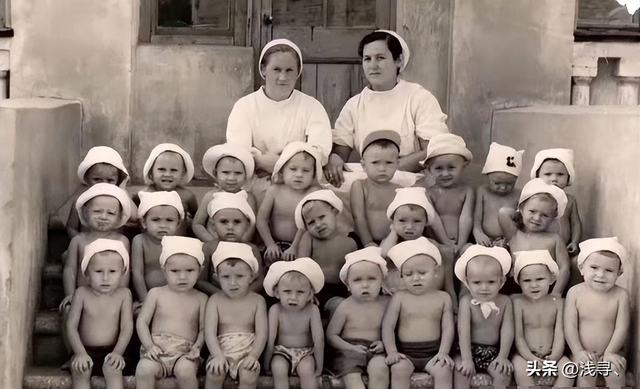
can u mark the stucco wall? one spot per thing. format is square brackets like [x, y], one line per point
[606, 142]
[39, 153]
[507, 53]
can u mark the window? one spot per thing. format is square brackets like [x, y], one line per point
[606, 20]
[195, 21]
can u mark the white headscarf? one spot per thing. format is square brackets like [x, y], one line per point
[406, 53]
[276, 42]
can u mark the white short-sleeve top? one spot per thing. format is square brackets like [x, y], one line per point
[268, 125]
[408, 108]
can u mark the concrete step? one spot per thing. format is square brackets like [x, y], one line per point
[47, 323]
[52, 271]
[52, 294]
[48, 350]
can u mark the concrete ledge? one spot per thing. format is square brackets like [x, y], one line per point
[47, 323]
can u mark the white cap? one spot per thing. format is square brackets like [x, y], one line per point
[591, 246]
[102, 154]
[102, 245]
[105, 190]
[498, 253]
[164, 147]
[326, 195]
[172, 245]
[216, 153]
[149, 200]
[306, 266]
[503, 159]
[226, 200]
[402, 252]
[534, 257]
[242, 251]
[406, 53]
[367, 254]
[563, 155]
[414, 196]
[537, 186]
[276, 42]
[294, 148]
[443, 144]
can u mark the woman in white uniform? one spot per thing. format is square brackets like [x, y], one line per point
[387, 103]
[277, 114]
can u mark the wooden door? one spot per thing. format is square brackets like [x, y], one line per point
[328, 33]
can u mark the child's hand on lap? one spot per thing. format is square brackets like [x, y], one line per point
[394, 358]
[377, 347]
[360, 349]
[218, 365]
[273, 253]
[81, 363]
[467, 368]
[251, 363]
[154, 353]
[318, 368]
[114, 360]
[572, 249]
[618, 362]
[289, 254]
[502, 365]
[482, 239]
[194, 354]
[444, 359]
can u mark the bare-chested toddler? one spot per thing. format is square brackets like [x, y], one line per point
[171, 322]
[447, 157]
[231, 167]
[160, 215]
[485, 317]
[100, 323]
[528, 228]
[418, 326]
[502, 168]
[296, 339]
[296, 174]
[356, 326]
[236, 319]
[538, 318]
[597, 312]
[371, 197]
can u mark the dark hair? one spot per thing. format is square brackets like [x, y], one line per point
[392, 43]
[383, 144]
[280, 49]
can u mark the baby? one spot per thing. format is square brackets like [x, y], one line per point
[170, 168]
[231, 167]
[296, 340]
[236, 319]
[324, 243]
[502, 168]
[528, 228]
[555, 167]
[160, 215]
[171, 322]
[100, 323]
[485, 317]
[447, 156]
[371, 197]
[539, 335]
[355, 328]
[418, 326]
[596, 315]
[296, 174]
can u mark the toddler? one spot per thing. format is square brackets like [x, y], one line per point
[232, 167]
[355, 328]
[236, 319]
[555, 167]
[371, 197]
[100, 324]
[324, 243]
[296, 174]
[447, 156]
[539, 335]
[296, 339]
[596, 314]
[160, 215]
[485, 317]
[418, 326]
[502, 168]
[527, 228]
[171, 322]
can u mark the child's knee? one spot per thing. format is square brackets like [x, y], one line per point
[307, 367]
[402, 368]
[147, 368]
[377, 368]
[185, 368]
[279, 366]
[249, 377]
[440, 370]
[111, 372]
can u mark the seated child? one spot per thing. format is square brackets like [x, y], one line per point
[485, 317]
[527, 228]
[539, 335]
[355, 328]
[100, 323]
[296, 340]
[102, 209]
[170, 168]
[597, 313]
[231, 217]
[502, 168]
[318, 213]
[418, 326]
[296, 174]
[447, 156]
[101, 165]
[171, 322]
[236, 319]
[555, 167]
[232, 167]
[160, 215]
[371, 197]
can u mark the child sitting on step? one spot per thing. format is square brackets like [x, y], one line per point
[100, 323]
[232, 167]
[171, 322]
[236, 319]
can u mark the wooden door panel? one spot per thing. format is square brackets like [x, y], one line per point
[325, 45]
[309, 84]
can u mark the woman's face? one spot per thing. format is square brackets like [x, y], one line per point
[379, 67]
[281, 73]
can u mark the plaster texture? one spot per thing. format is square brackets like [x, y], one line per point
[39, 154]
[184, 95]
[506, 54]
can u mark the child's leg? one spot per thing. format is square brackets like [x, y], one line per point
[378, 372]
[147, 372]
[214, 381]
[616, 381]
[280, 369]
[520, 371]
[442, 375]
[248, 379]
[81, 380]
[562, 381]
[460, 381]
[447, 273]
[113, 377]
[307, 372]
[499, 379]
[354, 381]
[401, 374]
[185, 371]
[583, 381]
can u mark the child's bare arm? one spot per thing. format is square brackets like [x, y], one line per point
[439, 231]
[251, 199]
[292, 252]
[388, 242]
[306, 245]
[75, 313]
[199, 224]
[619, 337]
[126, 322]
[256, 284]
[317, 334]
[137, 268]
[197, 345]
[389, 322]
[262, 224]
[211, 328]
[144, 319]
[465, 223]
[334, 329]
[359, 213]
[262, 332]
[464, 327]
[447, 325]
[557, 349]
[521, 344]
[271, 339]
[507, 219]
[73, 222]
[562, 258]
[126, 277]
[576, 228]
[70, 271]
[191, 201]
[506, 330]
[478, 214]
[203, 284]
[571, 324]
